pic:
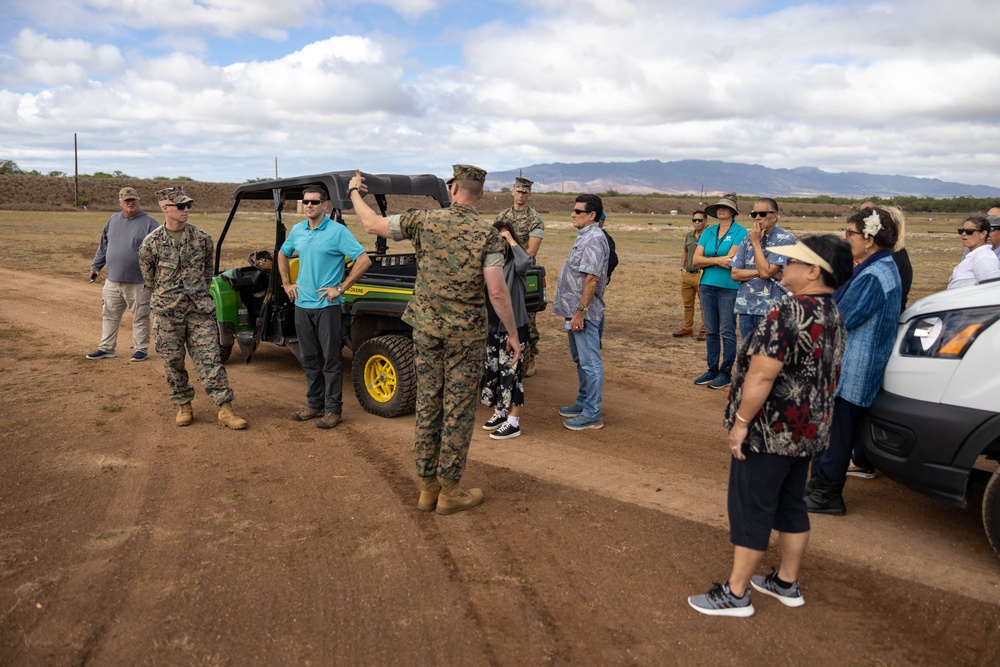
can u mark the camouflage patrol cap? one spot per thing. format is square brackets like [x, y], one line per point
[466, 172]
[174, 195]
[522, 184]
[127, 193]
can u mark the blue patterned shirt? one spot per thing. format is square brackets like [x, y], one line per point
[589, 255]
[756, 296]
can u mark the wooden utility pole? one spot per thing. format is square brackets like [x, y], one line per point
[76, 174]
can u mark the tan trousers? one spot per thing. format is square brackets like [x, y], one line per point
[690, 292]
[115, 298]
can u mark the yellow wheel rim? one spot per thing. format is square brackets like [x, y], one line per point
[380, 378]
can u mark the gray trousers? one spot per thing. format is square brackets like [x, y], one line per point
[318, 330]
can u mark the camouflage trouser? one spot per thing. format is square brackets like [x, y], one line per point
[448, 375]
[532, 334]
[199, 334]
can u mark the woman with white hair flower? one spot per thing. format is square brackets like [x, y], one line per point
[869, 303]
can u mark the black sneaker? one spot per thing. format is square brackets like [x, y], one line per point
[494, 422]
[506, 430]
[102, 354]
[138, 355]
[720, 601]
[790, 596]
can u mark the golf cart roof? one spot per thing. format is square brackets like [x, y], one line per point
[336, 184]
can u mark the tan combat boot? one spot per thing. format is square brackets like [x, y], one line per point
[229, 418]
[429, 490]
[184, 415]
[531, 369]
[454, 498]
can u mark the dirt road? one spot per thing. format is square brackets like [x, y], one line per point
[127, 541]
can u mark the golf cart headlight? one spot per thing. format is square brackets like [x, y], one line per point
[946, 335]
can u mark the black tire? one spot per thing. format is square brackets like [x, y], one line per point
[225, 351]
[991, 511]
[385, 378]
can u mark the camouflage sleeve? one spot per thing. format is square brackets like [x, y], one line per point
[496, 247]
[408, 225]
[147, 261]
[395, 233]
[502, 215]
[493, 259]
[536, 227]
[209, 259]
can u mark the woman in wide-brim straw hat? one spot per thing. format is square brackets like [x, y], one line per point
[716, 248]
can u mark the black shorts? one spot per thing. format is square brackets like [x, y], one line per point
[766, 492]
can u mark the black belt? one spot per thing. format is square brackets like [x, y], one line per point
[690, 271]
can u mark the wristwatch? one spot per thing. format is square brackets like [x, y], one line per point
[582, 308]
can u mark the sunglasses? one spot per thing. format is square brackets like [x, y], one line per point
[848, 230]
[963, 230]
[761, 214]
[697, 219]
[799, 261]
[579, 211]
[183, 207]
[312, 202]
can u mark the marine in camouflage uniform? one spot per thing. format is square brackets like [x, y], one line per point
[176, 262]
[530, 231]
[458, 253]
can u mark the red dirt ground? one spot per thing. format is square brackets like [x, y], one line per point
[127, 541]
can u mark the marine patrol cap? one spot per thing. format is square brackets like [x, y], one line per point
[466, 172]
[127, 193]
[174, 195]
[522, 184]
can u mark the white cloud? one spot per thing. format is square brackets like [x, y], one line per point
[900, 87]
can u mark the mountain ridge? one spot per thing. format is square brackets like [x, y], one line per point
[717, 176]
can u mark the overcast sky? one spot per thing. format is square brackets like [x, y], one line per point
[217, 89]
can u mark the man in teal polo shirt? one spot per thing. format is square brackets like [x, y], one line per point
[322, 246]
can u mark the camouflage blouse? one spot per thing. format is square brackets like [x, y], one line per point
[178, 273]
[452, 246]
[526, 223]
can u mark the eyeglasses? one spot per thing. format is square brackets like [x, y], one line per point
[848, 230]
[964, 231]
[312, 202]
[183, 207]
[761, 214]
[697, 219]
[579, 211]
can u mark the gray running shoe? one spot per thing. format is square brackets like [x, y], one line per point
[790, 597]
[720, 601]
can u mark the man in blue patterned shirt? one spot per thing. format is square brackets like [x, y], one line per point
[580, 301]
[757, 268]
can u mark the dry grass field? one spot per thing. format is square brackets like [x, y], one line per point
[127, 541]
[645, 292]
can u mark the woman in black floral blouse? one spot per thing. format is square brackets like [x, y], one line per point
[778, 416]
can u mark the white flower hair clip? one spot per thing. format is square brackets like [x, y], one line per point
[873, 225]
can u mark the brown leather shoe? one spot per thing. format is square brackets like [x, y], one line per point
[682, 333]
[306, 413]
[701, 335]
[329, 420]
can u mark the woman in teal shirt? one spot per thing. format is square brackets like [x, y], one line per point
[716, 248]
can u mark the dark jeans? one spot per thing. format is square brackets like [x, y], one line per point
[832, 462]
[717, 305]
[748, 323]
[318, 330]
